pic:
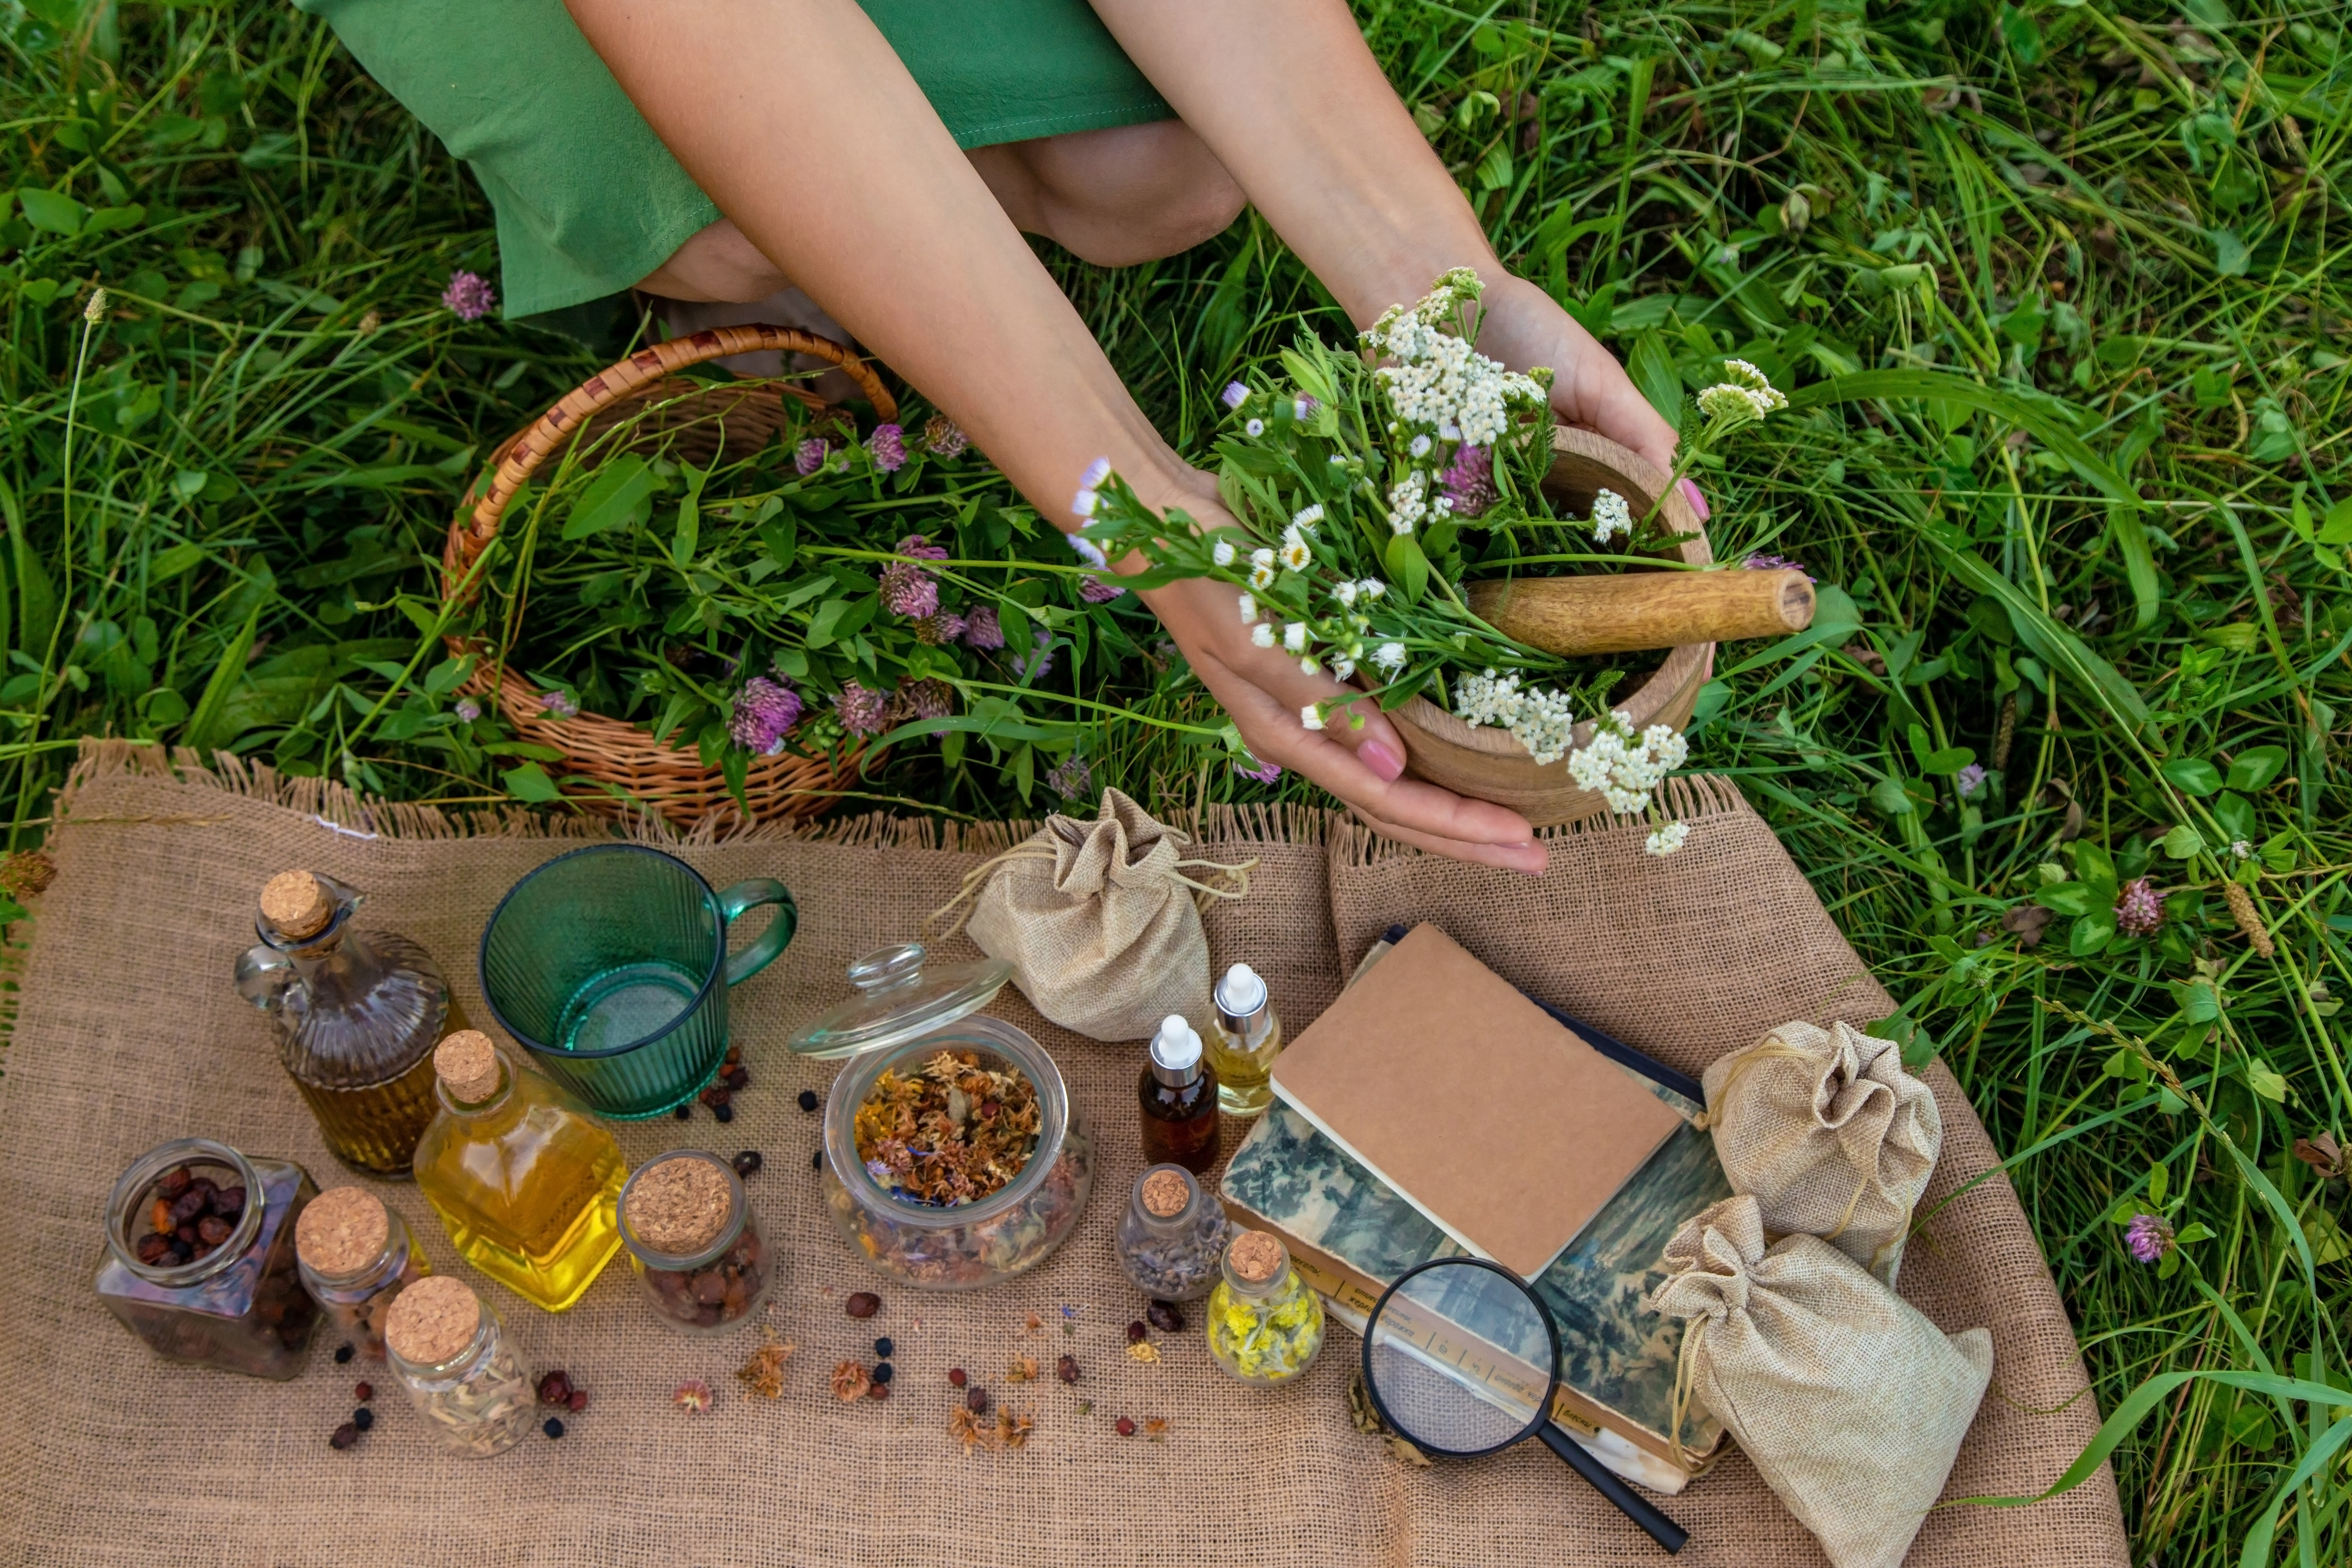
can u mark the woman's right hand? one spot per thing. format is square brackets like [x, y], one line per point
[1262, 690]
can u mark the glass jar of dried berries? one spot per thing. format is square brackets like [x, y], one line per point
[356, 1257]
[199, 1257]
[694, 1242]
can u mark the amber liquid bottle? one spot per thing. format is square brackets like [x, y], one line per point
[358, 1014]
[1178, 1094]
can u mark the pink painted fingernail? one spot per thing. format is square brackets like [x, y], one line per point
[1698, 501]
[1530, 857]
[1381, 760]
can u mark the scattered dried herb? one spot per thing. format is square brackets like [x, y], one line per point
[1156, 1428]
[850, 1381]
[1143, 1351]
[862, 1304]
[1365, 1416]
[1012, 1427]
[1167, 1316]
[693, 1397]
[951, 1134]
[1066, 1369]
[765, 1373]
[973, 1428]
[1022, 1369]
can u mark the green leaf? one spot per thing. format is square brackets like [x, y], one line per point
[2256, 766]
[2239, 636]
[2091, 933]
[781, 539]
[2194, 776]
[1652, 370]
[2197, 1001]
[167, 564]
[2263, 1081]
[529, 782]
[2064, 898]
[1890, 797]
[50, 211]
[828, 616]
[1013, 621]
[1408, 567]
[689, 517]
[621, 497]
[1948, 760]
[2337, 529]
[2183, 842]
[200, 734]
[2231, 254]
[2054, 643]
[2159, 1182]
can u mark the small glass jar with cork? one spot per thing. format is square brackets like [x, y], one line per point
[1172, 1237]
[1243, 1045]
[1177, 1097]
[450, 1352]
[356, 1257]
[1265, 1325]
[694, 1242]
[357, 1015]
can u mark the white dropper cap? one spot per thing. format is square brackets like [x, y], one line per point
[1175, 1051]
[1241, 993]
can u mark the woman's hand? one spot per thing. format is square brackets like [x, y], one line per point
[1262, 690]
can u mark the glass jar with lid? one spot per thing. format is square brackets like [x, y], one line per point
[1265, 1324]
[199, 1257]
[906, 1223]
[356, 1257]
[1172, 1237]
[451, 1354]
[694, 1243]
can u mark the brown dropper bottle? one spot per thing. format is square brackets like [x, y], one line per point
[1178, 1093]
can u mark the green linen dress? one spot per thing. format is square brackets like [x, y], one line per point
[588, 199]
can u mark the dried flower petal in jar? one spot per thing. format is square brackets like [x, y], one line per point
[695, 1243]
[356, 1257]
[199, 1257]
[1172, 1237]
[1265, 1325]
[450, 1352]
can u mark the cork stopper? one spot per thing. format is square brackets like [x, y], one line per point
[296, 905]
[1257, 1257]
[1165, 1193]
[679, 1205]
[468, 1063]
[342, 1231]
[432, 1321]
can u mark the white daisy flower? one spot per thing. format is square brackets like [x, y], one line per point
[1262, 634]
[1085, 502]
[1261, 569]
[1341, 669]
[1223, 552]
[1088, 551]
[1255, 427]
[1249, 609]
[1345, 593]
[1294, 636]
[1311, 716]
[1371, 587]
[1295, 552]
[1308, 517]
[1420, 448]
[1389, 655]
[1097, 472]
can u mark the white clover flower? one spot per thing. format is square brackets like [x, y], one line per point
[1389, 655]
[1311, 716]
[1420, 447]
[1223, 552]
[1667, 839]
[2243, 849]
[1097, 472]
[1261, 569]
[1255, 427]
[1610, 517]
[1308, 517]
[1295, 552]
[1341, 669]
[1088, 551]
[1262, 634]
[1085, 502]
[1294, 636]
[1345, 593]
[1249, 609]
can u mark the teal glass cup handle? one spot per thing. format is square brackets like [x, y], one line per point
[610, 965]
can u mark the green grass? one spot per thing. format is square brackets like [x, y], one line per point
[2058, 292]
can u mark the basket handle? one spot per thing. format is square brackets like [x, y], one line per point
[469, 537]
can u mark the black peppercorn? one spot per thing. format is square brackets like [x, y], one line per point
[808, 1099]
[883, 1372]
[685, 1113]
[553, 1428]
[363, 1418]
[885, 1348]
[342, 1354]
[748, 1163]
[816, 1161]
[723, 1111]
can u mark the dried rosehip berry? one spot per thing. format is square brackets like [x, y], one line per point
[808, 1099]
[579, 1400]
[365, 1391]
[228, 1203]
[211, 1230]
[173, 1183]
[737, 1077]
[342, 1354]
[862, 1304]
[1136, 1333]
[958, 1376]
[977, 1402]
[187, 1207]
[1126, 1427]
[715, 1095]
[555, 1388]
[748, 1163]
[345, 1436]
[154, 1248]
[879, 1388]
[1066, 1369]
[1167, 1316]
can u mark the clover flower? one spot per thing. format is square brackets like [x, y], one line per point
[981, 630]
[1094, 591]
[764, 712]
[1610, 517]
[942, 437]
[861, 712]
[1040, 653]
[467, 709]
[888, 445]
[1390, 657]
[1665, 840]
[1071, 777]
[1265, 773]
[1760, 561]
[1235, 395]
[2241, 849]
[810, 455]
[1969, 780]
[2150, 1237]
[2138, 910]
[907, 589]
[1469, 481]
[468, 296]
[940, 629]
[1261, 569]
[562, 704]
[930, 698]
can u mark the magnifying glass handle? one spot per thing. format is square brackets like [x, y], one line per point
[1631, 1503]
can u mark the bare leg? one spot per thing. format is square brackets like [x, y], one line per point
[905, 245]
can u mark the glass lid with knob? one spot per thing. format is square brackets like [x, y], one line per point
[899, 999]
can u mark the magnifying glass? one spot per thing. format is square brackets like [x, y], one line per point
[1462, 1359]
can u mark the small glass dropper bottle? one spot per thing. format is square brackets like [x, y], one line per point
[1178, 1093]
[1248, 1037]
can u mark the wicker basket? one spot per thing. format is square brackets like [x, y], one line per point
[700, 423]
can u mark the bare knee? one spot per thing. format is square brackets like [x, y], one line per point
[716, 264]
[1130, 193]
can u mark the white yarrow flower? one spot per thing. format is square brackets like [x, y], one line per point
[1610, 517]
[1667, 839]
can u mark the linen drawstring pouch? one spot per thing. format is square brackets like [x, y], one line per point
[1849, 1402]
[1830, 1135]
[1101, 920]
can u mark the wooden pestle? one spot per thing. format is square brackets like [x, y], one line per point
[1625, 613]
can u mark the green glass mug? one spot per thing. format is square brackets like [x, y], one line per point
[610, 965]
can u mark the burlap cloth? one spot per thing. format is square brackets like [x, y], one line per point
[130, 1033]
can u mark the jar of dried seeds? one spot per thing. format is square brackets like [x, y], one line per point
[356, 1257]
[199, 1257]
[449, 1351]
[695, 1243]
[1265, 1325]
[1171, 1235]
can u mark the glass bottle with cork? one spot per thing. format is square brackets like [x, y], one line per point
[1265, 1324]
[1247, 1039]
[356, 1257]
[525, 1180]
[695, 1243]
[1172, 1237]
[451, 1354]
[1177, 1097]
[357, 1015]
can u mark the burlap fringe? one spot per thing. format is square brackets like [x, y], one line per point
[1691, 799]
